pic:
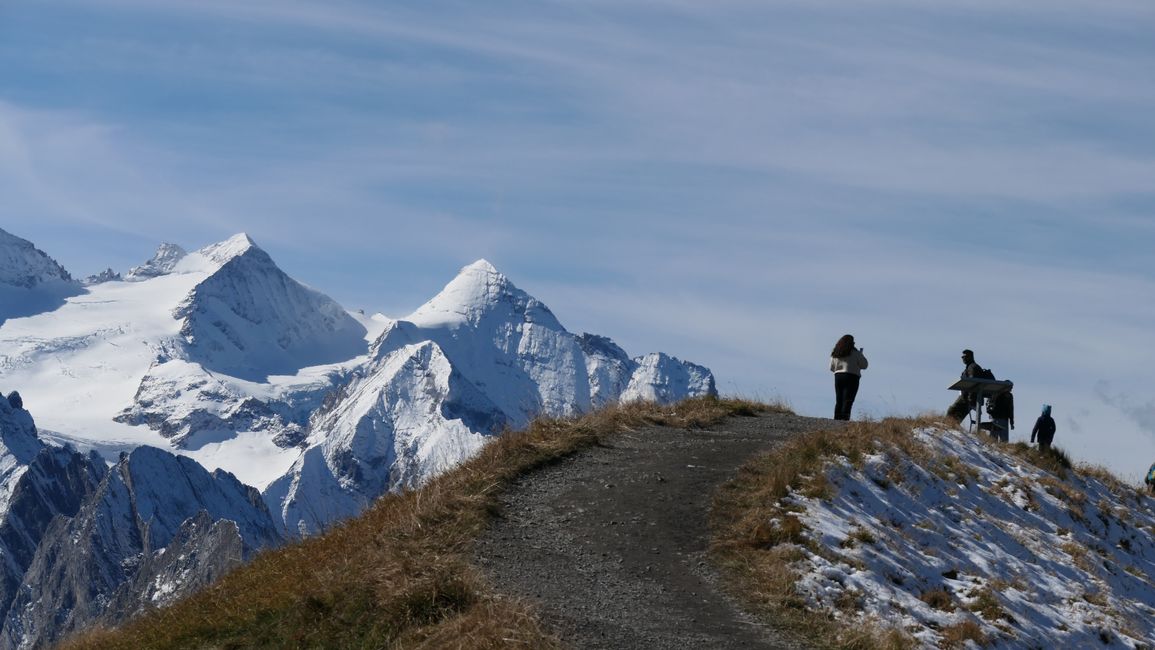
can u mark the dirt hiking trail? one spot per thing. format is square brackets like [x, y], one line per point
[610, 545]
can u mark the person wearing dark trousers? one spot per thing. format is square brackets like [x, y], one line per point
[1044, 429]
[1002, 411]
[847, 363]
[966, 401]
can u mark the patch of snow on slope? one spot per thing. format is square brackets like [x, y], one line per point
[1028, 556]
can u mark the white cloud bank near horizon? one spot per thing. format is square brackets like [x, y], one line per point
[736, 183]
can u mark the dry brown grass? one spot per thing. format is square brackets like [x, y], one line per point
[988, 605]
[1104, 476]
[1055, 460]
[957, 635]
[939, 599]
[757, 539]
[398, 576]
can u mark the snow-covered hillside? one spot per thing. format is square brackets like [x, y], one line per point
[968, 540]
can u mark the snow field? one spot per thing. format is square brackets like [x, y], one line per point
[972, 534]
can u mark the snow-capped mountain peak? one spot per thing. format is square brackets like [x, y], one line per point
[223, 252]
[479, 290]
[162, 263]
[249, 319]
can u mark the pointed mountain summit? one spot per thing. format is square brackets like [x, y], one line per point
[162, 263]
[508, 344]
[480, 291]
[223, 252]
[249, 319]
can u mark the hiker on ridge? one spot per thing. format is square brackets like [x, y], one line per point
[966, 400]
[1044, 429]
[1150, 480]
[847, 363]
[1002, 411]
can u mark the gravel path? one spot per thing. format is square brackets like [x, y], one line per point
[610, 545]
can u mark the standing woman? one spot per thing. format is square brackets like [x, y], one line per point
[847, 363]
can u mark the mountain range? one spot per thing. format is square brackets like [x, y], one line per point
[203, 406]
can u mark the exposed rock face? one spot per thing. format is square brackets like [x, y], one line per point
[80, 543]
[52, 489]
[107, 275]
[609, 368]
[37, 484]
[155, 528]
[658, 377]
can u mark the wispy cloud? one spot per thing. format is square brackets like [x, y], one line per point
[1140, 412]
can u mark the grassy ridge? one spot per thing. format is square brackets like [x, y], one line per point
[399, 575]
[756, 540]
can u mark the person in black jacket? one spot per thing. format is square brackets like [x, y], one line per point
[1044, 429]
[1002, 411]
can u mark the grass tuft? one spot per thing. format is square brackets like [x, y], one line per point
[1054, 460]
[960, 634]
[939, 599]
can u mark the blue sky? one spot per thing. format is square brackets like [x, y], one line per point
[737, 183]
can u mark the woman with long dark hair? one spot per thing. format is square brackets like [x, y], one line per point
[847, 363]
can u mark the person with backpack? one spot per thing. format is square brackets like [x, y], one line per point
[1150, 480]
[847, 363]
[1044, 429]
[1001, 408]
[966, 400]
